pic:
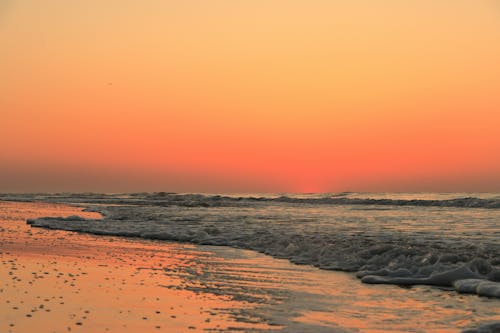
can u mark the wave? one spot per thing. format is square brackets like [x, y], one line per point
[194, 200]
[468, 202]
[378, 254]
[201, 200]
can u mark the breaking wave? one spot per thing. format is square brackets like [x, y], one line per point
[414, 242]
[489, 201]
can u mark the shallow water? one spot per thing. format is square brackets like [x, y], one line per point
[336, 300]
[274, 292]
[433, 241]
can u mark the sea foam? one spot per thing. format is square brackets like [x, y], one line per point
[443, 243]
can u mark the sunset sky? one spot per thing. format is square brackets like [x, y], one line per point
[249, 95]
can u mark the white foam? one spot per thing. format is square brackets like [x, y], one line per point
[451, 247]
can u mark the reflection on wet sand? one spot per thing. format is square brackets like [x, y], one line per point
[336, 301]
[62, 281]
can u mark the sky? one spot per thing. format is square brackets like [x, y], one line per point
[249, 96]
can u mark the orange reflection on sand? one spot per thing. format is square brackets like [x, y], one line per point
[386, 322]
[378, 312]
[63, 281]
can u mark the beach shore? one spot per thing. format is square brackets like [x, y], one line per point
[55, 281]
[62, 281]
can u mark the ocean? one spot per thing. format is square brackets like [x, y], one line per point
[447, 241]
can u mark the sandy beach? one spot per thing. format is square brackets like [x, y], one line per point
[59, 281]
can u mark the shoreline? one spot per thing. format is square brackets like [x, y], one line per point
[309, 315]
[435, 250]
[83, 283]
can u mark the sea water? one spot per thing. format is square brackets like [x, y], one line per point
[449, 240]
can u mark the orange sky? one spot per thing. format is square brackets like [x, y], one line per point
[224, 95]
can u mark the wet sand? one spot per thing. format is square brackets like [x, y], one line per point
[57, 281]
